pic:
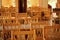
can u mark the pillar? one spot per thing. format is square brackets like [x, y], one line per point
[0, 3]
[34, 35]
[11, 35]
[43, 33]
[16, 5]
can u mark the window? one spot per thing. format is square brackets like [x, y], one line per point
[22, 21]
[22, 6]
[0, 14]
[29, 13]
[57, 14]
[15, 36]
[6, 21]
[28, 3]
[13, 21]
[39, 32]
[57, 21]
[13, 15]
[39, 19]
[26, 36]
[42, 14]
[57, 30]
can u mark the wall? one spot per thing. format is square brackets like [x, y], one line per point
[8, 3]
[43, 3]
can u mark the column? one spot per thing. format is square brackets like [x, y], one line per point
[16, 5]
[34, 35]
[0, 3]
[11, 35]
[43, 33]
